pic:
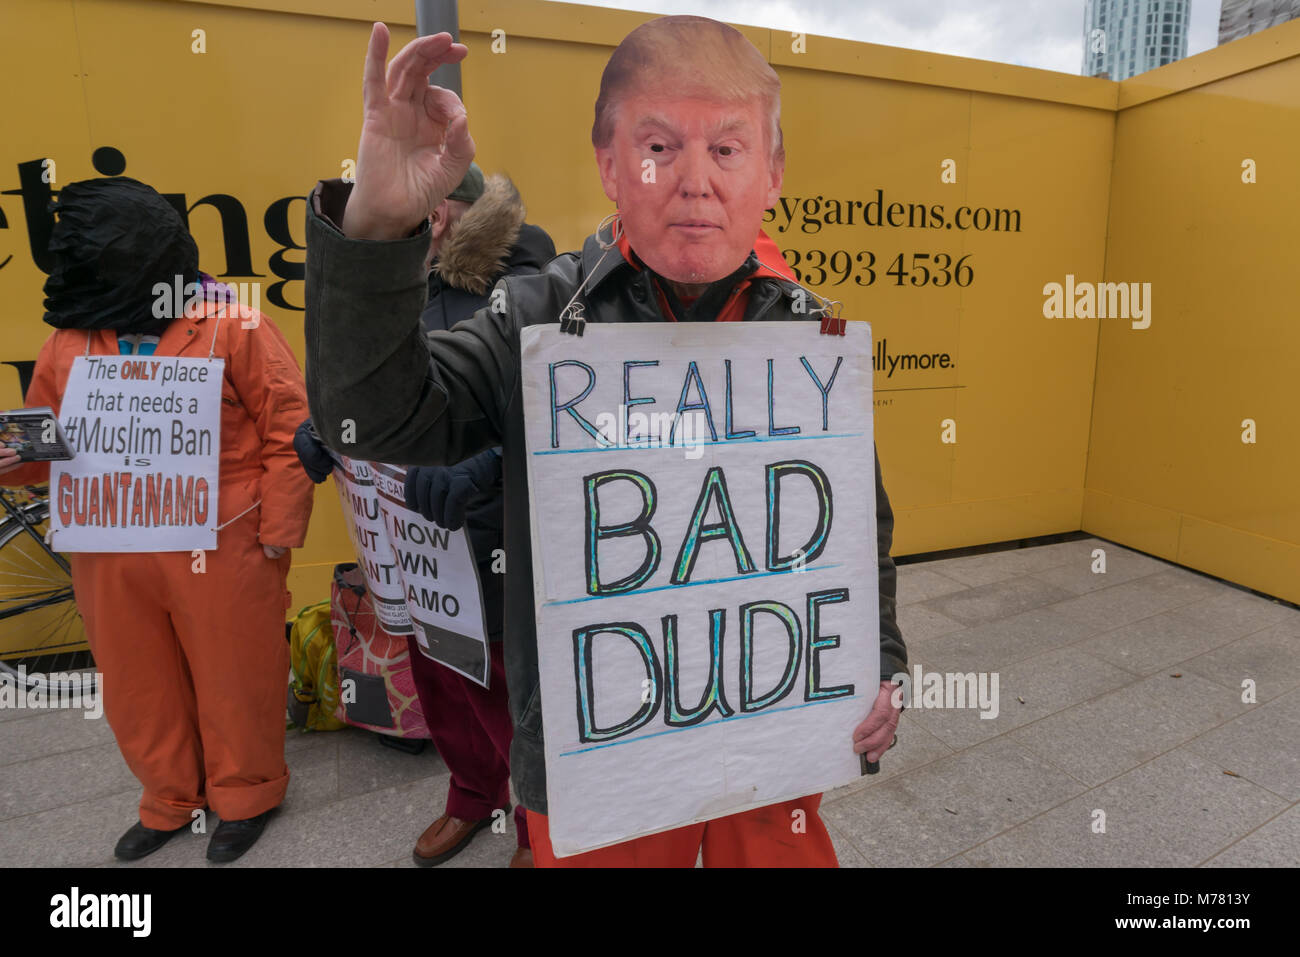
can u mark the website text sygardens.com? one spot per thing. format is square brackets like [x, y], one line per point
[808, 214]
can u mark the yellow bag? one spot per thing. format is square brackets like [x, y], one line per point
[314, 684]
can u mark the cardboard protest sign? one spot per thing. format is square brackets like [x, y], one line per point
[705, 570]
[146, 431]
[355, 482]
[423, 577]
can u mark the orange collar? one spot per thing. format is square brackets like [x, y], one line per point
[733, 310]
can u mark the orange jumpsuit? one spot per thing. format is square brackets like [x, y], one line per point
[790, 834]
[194, 665]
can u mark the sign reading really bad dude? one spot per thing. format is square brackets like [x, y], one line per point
[145, 431]
[705, 569]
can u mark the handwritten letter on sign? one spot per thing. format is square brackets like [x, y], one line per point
[422, 577]
[705, 572]
[146, 431]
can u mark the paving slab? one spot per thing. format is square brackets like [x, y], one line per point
[1079, 575]
[313, 785]
[1027, 691]
[41, 784]
[1174, 811]
[919, 624]
[1158, 643]
[998, 600]
[1262, 745]
[366, 765]
[73, 835]
[917, 582]
[52, 732]
[1274, 844]
[1104, 737]
[1239, 612]
[990, 567]
[845, 852]
[995, 644]
[940, 810]
[1108, 608]
[1270, 658]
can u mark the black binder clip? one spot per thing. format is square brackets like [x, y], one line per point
[572, 320]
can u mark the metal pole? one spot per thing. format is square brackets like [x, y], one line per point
[440, 16]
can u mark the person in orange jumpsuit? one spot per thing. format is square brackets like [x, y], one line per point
[190, 647]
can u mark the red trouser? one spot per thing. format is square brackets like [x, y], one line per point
[471, 728]
[195, 668]
[763, 837]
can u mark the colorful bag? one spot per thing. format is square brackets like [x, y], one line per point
[375, 678]
[314, 679]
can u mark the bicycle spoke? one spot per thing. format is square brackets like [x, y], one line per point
[40, 627]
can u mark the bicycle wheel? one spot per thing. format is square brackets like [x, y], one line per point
[42, 636]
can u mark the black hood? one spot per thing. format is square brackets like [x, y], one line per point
[114, 240]
[532, 249]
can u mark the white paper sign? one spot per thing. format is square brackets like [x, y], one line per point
[704, 553]
[422, 577]
[146, 431]
[355, 481]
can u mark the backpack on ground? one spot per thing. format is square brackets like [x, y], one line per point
[314, 678]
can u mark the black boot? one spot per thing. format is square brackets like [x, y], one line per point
[232, 839]
[141, 841]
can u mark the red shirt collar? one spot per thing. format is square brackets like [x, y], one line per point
[771, 265]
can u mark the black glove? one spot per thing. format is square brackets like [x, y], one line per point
[315, 458]
[442, 493]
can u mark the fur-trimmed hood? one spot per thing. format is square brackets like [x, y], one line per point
[478, 244]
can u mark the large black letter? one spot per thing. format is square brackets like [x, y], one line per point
[596, 533]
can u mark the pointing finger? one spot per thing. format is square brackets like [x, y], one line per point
[374, 89]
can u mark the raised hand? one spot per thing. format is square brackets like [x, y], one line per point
[415, 143]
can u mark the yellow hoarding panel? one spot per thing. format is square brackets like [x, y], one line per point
[1147, 528]
[935, 197]
[1195, 415]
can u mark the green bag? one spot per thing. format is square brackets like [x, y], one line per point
[314, 680]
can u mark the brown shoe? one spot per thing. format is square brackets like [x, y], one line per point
[523, 858]
[444, 839]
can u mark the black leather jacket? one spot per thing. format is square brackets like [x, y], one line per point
[484, 518]
[440, 401]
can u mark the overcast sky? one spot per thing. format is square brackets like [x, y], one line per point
[1047, 34]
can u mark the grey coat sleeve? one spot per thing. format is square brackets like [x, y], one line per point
[893, 652]
[376, 387]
